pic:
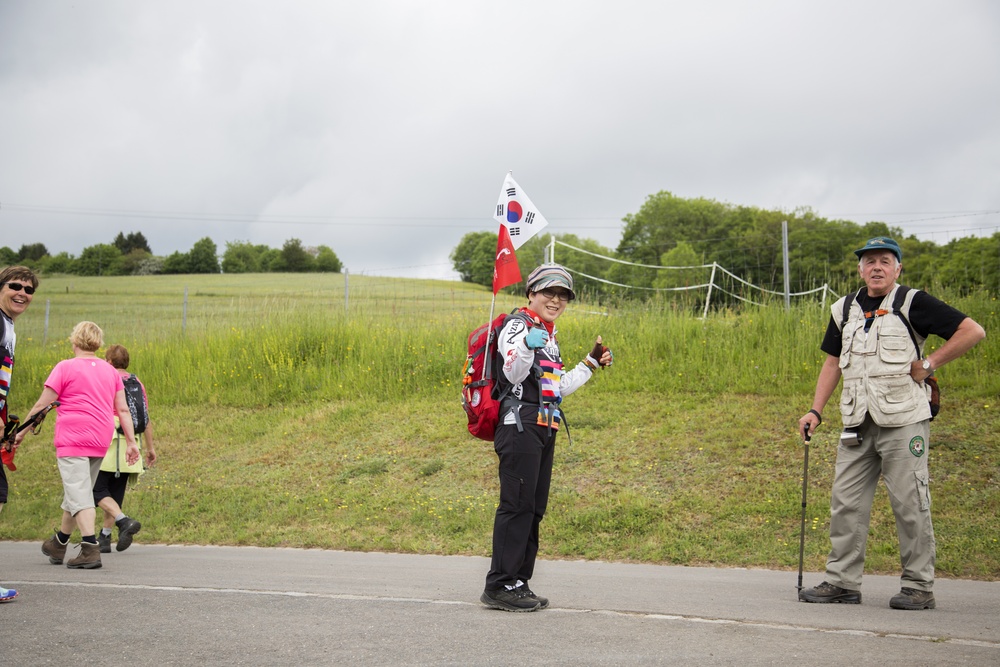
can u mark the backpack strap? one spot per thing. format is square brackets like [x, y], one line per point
[848, 302]
[901, 302]
[491, 345]
[505, 399]
[489, 349]
[901, 308]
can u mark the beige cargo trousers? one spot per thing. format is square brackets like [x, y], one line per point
[899, 455]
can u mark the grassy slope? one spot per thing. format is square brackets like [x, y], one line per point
[275, 428]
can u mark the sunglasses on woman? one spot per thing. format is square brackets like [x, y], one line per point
[549, 293]
[17, 287]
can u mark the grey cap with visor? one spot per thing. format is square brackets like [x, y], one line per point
[549, 275]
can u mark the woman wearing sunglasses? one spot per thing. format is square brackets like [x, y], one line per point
[17, 288]
[533, 383]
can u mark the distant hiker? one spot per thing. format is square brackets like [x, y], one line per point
[116, 473]
[90, 392]
[533, 383]
[17, 289]
[875, 342]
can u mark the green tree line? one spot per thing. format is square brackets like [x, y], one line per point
[674, 231]
[131, 255]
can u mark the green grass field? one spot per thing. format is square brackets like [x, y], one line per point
[290, 411]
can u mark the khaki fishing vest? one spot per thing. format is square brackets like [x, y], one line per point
[876, 367]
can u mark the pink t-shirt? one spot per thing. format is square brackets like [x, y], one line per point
[86, 387]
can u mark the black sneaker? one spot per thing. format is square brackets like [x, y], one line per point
[827, 592]
[127, 527]
[911, 598]
[543, 603]
[104, 541]
[510, 599]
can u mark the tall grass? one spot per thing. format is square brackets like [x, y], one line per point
[287, 416]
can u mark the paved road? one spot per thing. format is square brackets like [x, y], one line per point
[185, 605]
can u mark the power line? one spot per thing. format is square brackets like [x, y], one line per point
[434, 221]
[276, 219]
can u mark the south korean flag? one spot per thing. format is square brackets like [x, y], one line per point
[516, 212]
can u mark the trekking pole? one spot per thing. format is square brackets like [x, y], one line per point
[10, 429]
[34, 422]
[14, 426]
[802, 526]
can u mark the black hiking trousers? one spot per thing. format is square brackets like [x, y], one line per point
[525, 477]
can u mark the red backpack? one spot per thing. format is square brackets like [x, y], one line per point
[481, 405]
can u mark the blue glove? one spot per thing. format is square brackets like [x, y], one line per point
[537, 337]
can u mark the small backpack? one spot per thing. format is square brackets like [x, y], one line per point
[479, 399]
[136, 404]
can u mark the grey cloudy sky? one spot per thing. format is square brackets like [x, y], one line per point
[384, 128]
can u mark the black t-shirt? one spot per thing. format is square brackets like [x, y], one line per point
[927, 316]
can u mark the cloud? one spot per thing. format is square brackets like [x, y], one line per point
[384, 129]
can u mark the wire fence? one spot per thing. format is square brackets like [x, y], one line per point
[160, 307]
[667, 279]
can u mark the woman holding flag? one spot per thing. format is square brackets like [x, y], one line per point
[534, 383]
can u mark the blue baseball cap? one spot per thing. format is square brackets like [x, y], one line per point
[881, 243]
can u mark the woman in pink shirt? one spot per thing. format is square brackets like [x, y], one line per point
[90, 393]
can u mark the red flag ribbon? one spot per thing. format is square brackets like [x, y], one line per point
[505, 270]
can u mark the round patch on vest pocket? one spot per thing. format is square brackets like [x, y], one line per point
[917, 446]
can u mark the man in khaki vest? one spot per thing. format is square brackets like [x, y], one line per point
[878, 351]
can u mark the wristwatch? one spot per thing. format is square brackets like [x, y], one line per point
[927, 366]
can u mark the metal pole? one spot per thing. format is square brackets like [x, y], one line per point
[784, 252]
[708, 297]
[45, 331]
[552, 250]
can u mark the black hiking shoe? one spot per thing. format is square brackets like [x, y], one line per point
[104, 541]
[127, 527]
[911, 598]
[543, 603]
[510, 599]
[827, 592]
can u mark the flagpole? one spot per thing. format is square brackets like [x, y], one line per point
[488, 362]
[518, 217]
[489, 322]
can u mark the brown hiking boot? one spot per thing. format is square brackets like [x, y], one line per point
[54, 549]
[911, 598]
[827, 592]
[88, 559]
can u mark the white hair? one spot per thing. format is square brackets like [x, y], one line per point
[862, 258]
